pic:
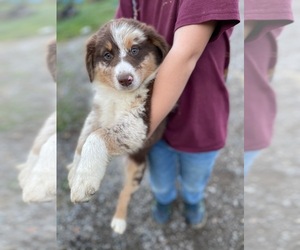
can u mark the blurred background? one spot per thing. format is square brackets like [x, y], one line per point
[87, 226]
[272, 198]
[27, 98]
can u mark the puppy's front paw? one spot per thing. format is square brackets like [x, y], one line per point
[39, 190]
[24, 175]
[21, 166]
[26, 169]
[71, 175]
[86, 177]
[83, 187]
[118, 225]
[70, 166]
[40, 184]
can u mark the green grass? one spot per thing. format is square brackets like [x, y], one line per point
[92, 14]
[41, 15]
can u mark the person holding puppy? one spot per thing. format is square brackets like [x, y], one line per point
[190, 90]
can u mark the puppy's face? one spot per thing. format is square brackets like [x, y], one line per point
[124, 54]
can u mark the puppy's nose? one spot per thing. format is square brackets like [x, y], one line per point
[125, 79]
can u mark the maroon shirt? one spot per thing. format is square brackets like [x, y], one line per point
[260, 60]
[199, 121]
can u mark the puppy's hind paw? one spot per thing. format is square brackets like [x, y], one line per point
[118, 225]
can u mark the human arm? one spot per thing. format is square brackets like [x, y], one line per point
[188, 45]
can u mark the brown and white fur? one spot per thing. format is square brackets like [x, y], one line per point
[37, 175]
[122, 60]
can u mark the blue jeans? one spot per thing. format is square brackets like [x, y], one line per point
[249, 157]
[168, 165]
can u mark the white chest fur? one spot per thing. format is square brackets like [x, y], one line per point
[121, 114]
[115, 104]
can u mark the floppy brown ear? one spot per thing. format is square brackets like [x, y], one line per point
[89, 57]
[51, 58]
[158, 42]
[161, 44]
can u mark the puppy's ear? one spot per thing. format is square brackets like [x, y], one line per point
[90, 57]
[158, 41]
[51, 58]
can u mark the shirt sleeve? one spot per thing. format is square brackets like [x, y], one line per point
[270, 15]
[195, 12]
[268, 10]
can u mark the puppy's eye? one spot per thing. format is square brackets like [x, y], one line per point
[108, 56]
[134, 50]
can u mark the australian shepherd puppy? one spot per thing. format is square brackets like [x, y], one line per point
[122, 60]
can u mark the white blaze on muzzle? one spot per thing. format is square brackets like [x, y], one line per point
[126, 77]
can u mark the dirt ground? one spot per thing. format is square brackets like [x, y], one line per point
[272, 198]
[86, 226]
